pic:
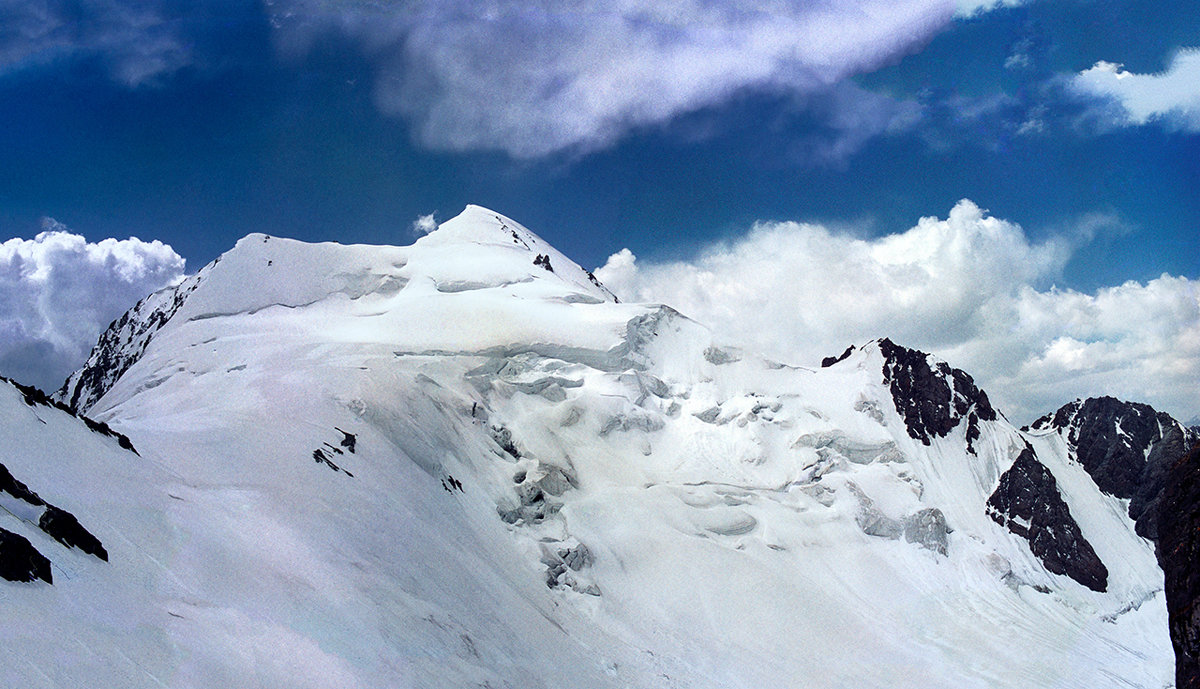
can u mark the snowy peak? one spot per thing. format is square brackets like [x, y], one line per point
[479, 225]
[932, 397]
[525, 255]
[1107, 420]
[1126, 447]
[478, 252]
[122, 344]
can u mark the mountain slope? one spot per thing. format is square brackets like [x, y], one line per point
[94, 512]
[464, 463]
[1126, 447]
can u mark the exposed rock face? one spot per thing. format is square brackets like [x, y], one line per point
[933, 398]
[58, 523]
[9, 484]
[35, 397]
[1027, 503]
[122, 344]
[66, 529]
[831, 360]
[1147, 499]
[1126, 447]
[1178, 554]
[20, 561]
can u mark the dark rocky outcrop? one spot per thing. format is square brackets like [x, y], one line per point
[35, 397]
[104, 429]
[9, 484]
[20, 561]
[324, 455]
[123, 343]
[1146, 502]
[349, 440]
[58, 523]
[1027, 502]
[63, 527]
[1179, 557]
[595, 281]
[933, 397]
[1126, 447]
[831, 360]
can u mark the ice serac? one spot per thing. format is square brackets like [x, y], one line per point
[1126, 447]
[464, 463]
[1028, 503]
[1178, 552]
[932, 396]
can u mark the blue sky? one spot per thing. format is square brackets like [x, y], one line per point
[669, 132]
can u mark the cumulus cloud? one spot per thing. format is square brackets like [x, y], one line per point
[534, 78]
[135, 40]
[1171, 97]
[58, 291]
[971, 288]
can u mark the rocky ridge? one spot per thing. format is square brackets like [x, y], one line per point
[1178, 552]
[1128, 449]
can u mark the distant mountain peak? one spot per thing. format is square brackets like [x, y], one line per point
[930, 395]
[1126, 447]
[478, 249]
[480, 226]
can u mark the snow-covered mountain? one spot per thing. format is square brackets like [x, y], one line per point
[465, 463]
[1126, 447]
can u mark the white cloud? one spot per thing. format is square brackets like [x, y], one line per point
[842, 120]
[1171, 97]
[533, 78]
[970, 288]
[135, 40]
[424, 224]
[972, 8]
[58, 291]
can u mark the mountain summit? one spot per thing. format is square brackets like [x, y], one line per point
[477, 251]
[465, 463]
